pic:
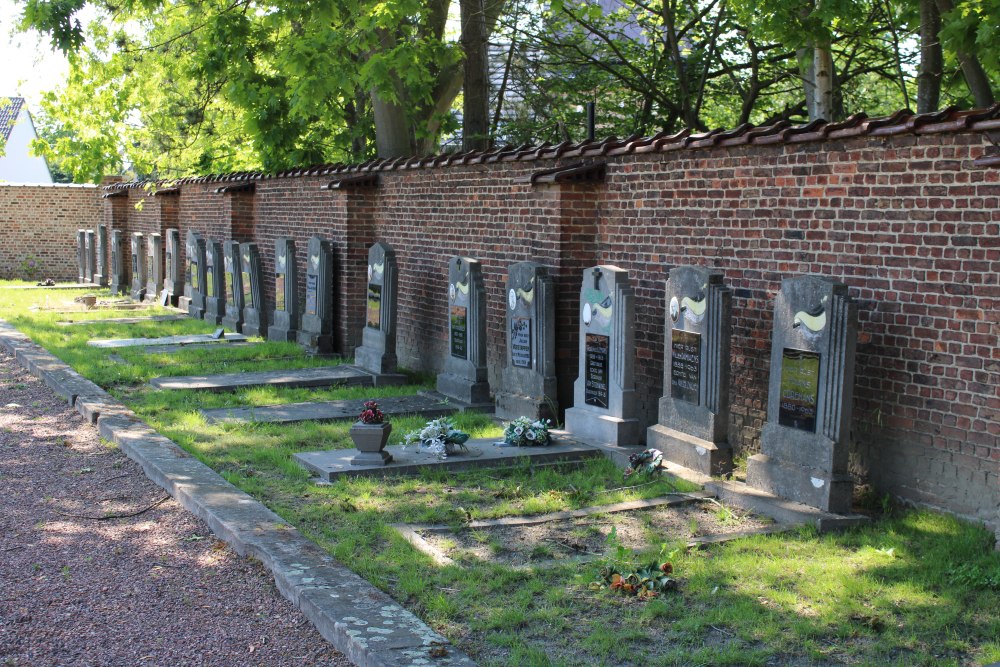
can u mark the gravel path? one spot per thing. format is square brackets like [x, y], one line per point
[154, 587]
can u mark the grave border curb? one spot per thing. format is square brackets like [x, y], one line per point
[367, 625]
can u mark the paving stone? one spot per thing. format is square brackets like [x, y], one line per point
[166, 340]
[123, 320]
[329, 410]
[328, 465]
[323, 376]
[56, 286]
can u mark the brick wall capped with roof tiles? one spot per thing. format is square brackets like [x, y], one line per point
[905, 210]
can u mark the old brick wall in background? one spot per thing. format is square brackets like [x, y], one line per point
[40, 222]
[908, 221]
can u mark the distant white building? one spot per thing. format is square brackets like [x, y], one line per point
[17, 164]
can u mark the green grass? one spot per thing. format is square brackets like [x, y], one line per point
[914, 588]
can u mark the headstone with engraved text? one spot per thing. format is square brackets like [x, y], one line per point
[604, 402]
[138, 266]
[172, 279]
[195, 275]
[119, 283]
[81, 255]
[528, 379]
[215, 297]
[377, 352]
[233, 276]
[694, 409]
[316, 325]
[805, 442]
[465, 375]
[251, 280]
[154, 267]
[286, 306]
[90, 256]
[101, 258]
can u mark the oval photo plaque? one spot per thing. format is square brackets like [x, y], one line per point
[587, 314]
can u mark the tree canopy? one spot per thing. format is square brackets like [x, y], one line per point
[161, 88]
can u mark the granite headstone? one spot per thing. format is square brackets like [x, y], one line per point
[138, 266]
[251, 280]
[215, 296]
[119, 282]
[316, 325]
[465, 375]
[693, 429]
[604, 409]
[172, 279]
[154, 266]
[233, 319]
[81, 255]
[286, 306]
[196, 276]
[528, 379]
[101, 265]
[378, 338]
[805, 442]
[90, 258]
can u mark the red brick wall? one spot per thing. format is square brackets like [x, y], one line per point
[909, 222]
[40, 221]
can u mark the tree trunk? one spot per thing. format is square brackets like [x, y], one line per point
[392, 132]
[823, 78]
[931, 58]
[972, 69]
[475, 106]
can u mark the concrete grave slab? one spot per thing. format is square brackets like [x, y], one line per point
[166, 340]
[417, 404]
[122, 320]
[323, 376]
[328, 465]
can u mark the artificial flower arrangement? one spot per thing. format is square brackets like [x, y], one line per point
[523, 432]
[621, 572]
[645, 462]
[371, 414]
[440, 437]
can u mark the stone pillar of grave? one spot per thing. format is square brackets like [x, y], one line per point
[604, 407]
[286, 305]
[138, 267]
[173, 281]
[254, 317]
[154, 267]
[101, 259]
[805, 442]
[316, 325]
[693, 429]
[377, 352]
[90, 259]
[233, 319]
[215, 297]
[196, 276]
[465, 375]
[119, 282]
[81, 255]
[528, 379]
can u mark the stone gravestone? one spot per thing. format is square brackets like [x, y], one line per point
[251, 280]
[316, 326]
[286, 306]
[172, 280]
[604, 402]
[101, 265]
[119, 283]
[81, 255]
[90, 256]
[154, 267]
[215, 296]
[196, 275]
[378, 339]
[693, 430]
[804, 444]
[528, 380]
[138, 267]
[465, 376]
[233, 319]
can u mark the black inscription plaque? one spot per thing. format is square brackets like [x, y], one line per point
[194, 274]
[459, 332]
[799, 389]
[312, 285]
[247, 290]
[374, 306]
[520, 342]
[135, 265]
[685, 365]
[210, 283]
[279, 291]
[595, 387]
[230, 286]
[170, 265]
[149, 266]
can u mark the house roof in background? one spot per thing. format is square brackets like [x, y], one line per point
[10, 109]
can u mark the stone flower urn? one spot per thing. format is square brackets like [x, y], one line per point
[370, 438]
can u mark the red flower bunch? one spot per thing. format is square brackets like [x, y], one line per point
[371, 414]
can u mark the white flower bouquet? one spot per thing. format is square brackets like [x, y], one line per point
[440, 437]
[523, 432]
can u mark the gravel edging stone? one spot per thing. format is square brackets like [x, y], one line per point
[364, 623]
